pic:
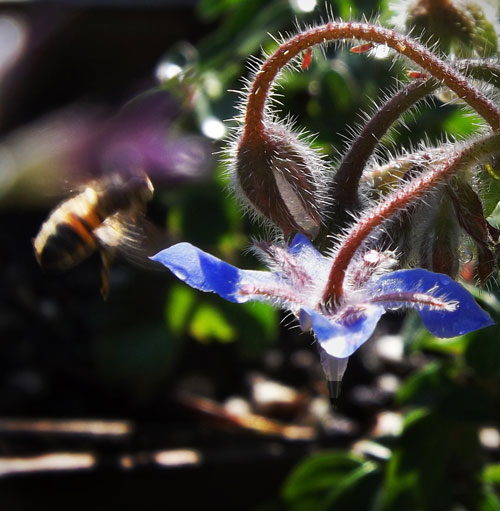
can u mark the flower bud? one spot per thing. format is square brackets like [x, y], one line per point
[462, 27]
[281, 179]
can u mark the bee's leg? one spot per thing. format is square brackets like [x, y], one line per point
[107, 259]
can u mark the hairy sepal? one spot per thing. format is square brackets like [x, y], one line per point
[281, 178]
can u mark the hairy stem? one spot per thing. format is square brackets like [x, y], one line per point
[471, 154]
[255, 111]
[344, 188]
[486, 70]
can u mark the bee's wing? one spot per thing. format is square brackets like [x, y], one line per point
[131, 238]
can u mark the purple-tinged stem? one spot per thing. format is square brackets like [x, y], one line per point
[344, 188]
[486, 70]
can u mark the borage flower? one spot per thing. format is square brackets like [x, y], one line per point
[297, 280]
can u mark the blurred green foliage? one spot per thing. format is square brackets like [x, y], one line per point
[332, 480]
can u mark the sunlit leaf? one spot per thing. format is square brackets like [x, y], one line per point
[208, 323]
[491, 473]
[179, 307]
[257, 325]
[462, 125]
[310, 481]
[357, 490]
[490, 501]
[416, 338]
[265, 315]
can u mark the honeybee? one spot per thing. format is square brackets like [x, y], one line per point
[106, 217]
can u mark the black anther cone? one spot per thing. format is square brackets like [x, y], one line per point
[334, 388]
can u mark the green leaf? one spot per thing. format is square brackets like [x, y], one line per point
[357, 490]
[257, 325]
[207, 318]
[442, 387]
[208, 322]
[483, 353]
[335, 86]
[265, 315]
[417, 338]
[213, 8]
[416, 476]
[243, 31]
[461, 125]
[425, 387]
[178, 308]
[489, 179]
[484, 37]
[314, 478]
[451, 346]
[346, 9]
[489, 500]
[491, 473]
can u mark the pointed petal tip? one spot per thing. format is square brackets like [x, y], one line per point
[177, 250]
[200, 269]
[157, 257]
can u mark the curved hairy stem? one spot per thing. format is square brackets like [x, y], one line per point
[486, 70]
[344, 188]
[433, 65]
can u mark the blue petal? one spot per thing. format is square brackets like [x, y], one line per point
[309, 257]
[465, 317]
[208, 273]
[300, 243]
[340, 336]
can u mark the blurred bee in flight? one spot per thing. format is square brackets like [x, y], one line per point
[107, 216]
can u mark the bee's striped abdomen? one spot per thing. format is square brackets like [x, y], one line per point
[67, 238]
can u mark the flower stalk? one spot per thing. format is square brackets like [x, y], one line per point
[419, 54]
[344, 188]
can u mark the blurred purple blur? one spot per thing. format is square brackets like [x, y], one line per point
[97, 118]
